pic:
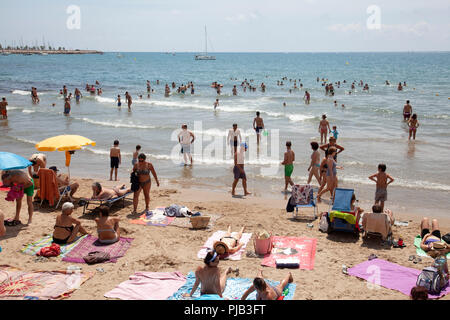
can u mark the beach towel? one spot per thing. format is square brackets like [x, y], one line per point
[35, 247]
[303, 249]
[301, 195]
[390, 275]
[420, 252]
[234, 289]
[185, 222]
[48, 185]
[155, 218]
[91, 243]
[216, 237]
[16, 284]
[148, 286]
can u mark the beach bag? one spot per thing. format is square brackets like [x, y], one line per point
[446, 238]
[263, 244]
[96, 257]
[134, 179]
[324, 225]
[433, 280]
[15, 192]
[290, 207]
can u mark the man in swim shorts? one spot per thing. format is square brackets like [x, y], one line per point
[258, 125]
[238, 169]
[116, 159]
[288, 162]
[18, 177]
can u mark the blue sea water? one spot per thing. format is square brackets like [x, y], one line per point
[370, 126]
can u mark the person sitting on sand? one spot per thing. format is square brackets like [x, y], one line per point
[229, 244]
[64, 181]
[210, 277]
[432, 242]
[66, 227]
[100, 193]
[20, 178]
[2, 224]
[107, 228]
[265, 291]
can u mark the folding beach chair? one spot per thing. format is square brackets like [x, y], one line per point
[64, 192]
[303, 197]
[340, 215]
[108, 202]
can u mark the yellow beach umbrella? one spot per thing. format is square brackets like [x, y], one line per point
[67, 143]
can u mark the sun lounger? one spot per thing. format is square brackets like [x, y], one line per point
[107, 202]
[340, 214]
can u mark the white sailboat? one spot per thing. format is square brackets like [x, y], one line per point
[205, 56]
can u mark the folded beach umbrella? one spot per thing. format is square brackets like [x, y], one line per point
[11, 161]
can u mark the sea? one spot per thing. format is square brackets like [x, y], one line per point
[370, 124]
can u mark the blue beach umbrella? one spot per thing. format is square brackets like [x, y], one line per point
[11, 161]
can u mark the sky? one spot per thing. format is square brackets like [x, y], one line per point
[233, 25]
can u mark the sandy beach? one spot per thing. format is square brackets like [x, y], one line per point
[173, 248]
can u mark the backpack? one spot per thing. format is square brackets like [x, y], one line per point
[432, 279]
[446, 238]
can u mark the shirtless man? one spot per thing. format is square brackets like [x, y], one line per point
[78, 95]
[324, 129]
[128, 99]
[19, 177]
[64, 181]
[116, 159]
[314, 166]
[66, 107]
[288, 162]
[229, 244]
[258, 125]
[100, 193]
[399, 88]
[265, 291]
[34, 95]
[407, 111]
[381, 178]
[234, 91]
[211, 278]
[64, 91]
[167, 91]
[3, 110]
[238, 169]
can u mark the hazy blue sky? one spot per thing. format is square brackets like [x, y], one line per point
[233, 25]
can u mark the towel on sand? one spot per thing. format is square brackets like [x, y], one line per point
[234, 289]
[420, 251]
[216, 237]
[43, 285]
[155, 218]
[91, 243]
[148, 286]
[35, 247]
[390, 275]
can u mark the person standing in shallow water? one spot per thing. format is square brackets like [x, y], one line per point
[128, 99]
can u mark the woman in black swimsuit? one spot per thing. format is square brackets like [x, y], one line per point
[66, 227]
[143, 169]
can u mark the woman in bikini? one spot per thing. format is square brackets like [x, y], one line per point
[265, 291]
[100, 193]
[66, 227]
[324, 128]
[229, 244]
[432, 242]
[107, 228]
[413, 125]
[143, 169]
[331, 174]
[332, 143]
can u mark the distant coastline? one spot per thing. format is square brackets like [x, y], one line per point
[45, 52]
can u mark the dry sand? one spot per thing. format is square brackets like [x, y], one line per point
[173, 248]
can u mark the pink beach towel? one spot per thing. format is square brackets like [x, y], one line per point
[216, 237]
[390, 275]
[90, 243]
[303, 249]
[148, 286]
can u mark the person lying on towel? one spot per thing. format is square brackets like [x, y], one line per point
[66, 227]
[210, 277]
[107, 228]
[63, 181]
[265, 291]
[100, 193]
[432, 242]
[229, 244]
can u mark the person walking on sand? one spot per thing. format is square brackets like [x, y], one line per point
[23, 180]
[314, 166]
[3, 110]
[258, 126]
[238, 169]
[116, 159]
[265, 291]
[143, 169]
[186, 138]
[288, 163]
[413, 125]
[128, 99]
[407, 111]
[324, 129]
[381, 178]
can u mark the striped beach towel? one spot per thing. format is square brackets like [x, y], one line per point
[33, 248]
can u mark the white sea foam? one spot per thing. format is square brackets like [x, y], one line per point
[116, 124]
[22, 93]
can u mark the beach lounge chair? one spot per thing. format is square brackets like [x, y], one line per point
[108, 202]
[303, 197]
[340, 215]
[379, 224]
